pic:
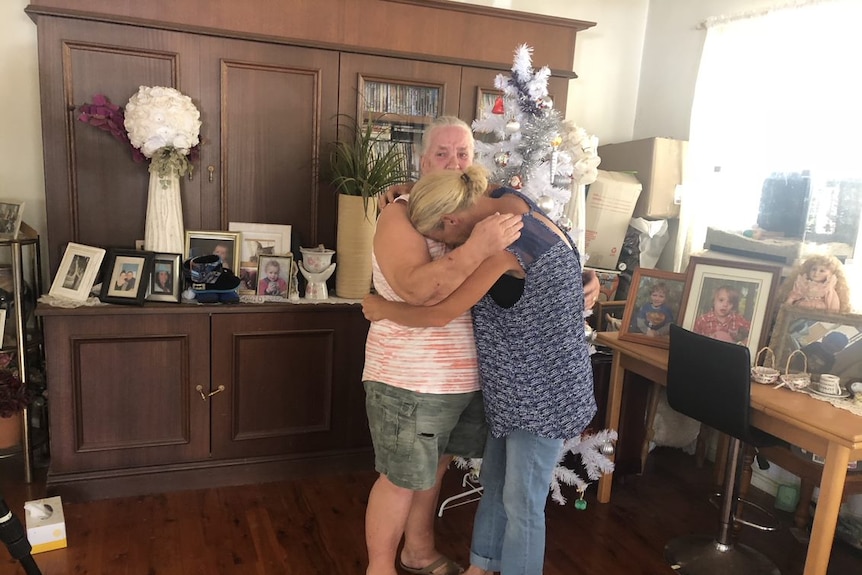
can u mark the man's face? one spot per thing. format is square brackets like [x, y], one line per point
[450, 148]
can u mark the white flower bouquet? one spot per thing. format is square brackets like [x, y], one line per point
[164, 125]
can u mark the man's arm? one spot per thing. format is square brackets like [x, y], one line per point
[404, 260]
[474, 288]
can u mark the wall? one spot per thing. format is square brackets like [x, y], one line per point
[21, 175]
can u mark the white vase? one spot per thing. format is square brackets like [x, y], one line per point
[164, 226]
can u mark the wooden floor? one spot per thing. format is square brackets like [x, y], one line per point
[315, 526]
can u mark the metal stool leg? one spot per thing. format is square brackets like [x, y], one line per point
[705, 555]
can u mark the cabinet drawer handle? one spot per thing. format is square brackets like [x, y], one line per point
[211, 169]
[204, 396]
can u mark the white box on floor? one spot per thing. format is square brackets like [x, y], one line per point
[46, 525]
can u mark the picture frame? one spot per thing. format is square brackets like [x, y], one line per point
[127, 276]
[10, 218]
[749, 287]
[604, 311]
[77, 272]
[830, 341]
[654, 303]
[166, 279]
[274, 284]
[203, 242]
[268, 239]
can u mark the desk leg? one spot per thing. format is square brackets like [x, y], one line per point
[826, 514]
[612, 419]
[652, 409]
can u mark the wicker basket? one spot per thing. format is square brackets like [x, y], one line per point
[796, 381]
[763, 373]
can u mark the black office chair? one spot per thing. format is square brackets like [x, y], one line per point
[709, 380]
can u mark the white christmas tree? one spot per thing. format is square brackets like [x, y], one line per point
[537, 152]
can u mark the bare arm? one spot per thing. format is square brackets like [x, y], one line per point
[462, 299]
[408, 268]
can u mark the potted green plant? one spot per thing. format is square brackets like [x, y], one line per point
[15, 395]
[362, 166]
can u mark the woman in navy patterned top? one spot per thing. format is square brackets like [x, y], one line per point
[528, 315]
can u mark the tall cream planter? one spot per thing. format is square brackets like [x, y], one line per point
[357, 220]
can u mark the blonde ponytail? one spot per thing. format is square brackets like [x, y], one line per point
[442, 193]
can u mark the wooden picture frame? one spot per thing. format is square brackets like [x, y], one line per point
[603, 310]
[10, 218]
[203, 242]
[166, 278]
[77, 272]
[654, 303]
[278, 286]
[127, 276]
[258, 239]
[831, 342]
[750, 288]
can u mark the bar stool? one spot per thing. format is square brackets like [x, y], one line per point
[709, 380]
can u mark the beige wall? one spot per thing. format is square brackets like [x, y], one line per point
[21, 176]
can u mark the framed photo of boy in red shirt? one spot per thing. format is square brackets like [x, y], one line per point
[730, 300]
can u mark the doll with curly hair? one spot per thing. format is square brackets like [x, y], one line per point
[818, 283]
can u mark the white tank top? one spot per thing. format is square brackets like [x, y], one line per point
[421, 359]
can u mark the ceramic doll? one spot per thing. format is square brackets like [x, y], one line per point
[818, 283]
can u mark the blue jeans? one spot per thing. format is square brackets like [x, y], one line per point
[509, 529]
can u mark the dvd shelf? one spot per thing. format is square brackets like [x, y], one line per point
[399, 114]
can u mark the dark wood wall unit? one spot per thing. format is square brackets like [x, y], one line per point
[281, 384]
[202, 395]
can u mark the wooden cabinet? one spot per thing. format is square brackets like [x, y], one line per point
[165, 397]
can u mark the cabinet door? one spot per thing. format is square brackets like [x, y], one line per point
[292, 382]
[123, 389]
[269, 119]
[95, 193]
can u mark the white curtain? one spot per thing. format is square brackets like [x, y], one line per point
[776, 91]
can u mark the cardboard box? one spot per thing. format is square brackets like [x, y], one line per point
[611, 199]
[659, 164]
[45, 533]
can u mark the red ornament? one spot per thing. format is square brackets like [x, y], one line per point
[498, 105]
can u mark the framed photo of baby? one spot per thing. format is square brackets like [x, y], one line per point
[730, 300]
[653, 304]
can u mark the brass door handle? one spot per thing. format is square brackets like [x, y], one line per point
[211, 169]
[204, 396]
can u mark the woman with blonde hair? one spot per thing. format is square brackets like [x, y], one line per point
[528, 315]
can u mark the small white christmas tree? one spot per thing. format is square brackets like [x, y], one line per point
[538, 152]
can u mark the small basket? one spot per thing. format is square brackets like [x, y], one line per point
[762, 373]
[796, 381]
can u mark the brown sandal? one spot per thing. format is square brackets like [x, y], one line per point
[452, 568]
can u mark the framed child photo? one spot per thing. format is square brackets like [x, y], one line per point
[77, 272]
[273, 275]
[609, 314]
[127, 276]
[730, 300]
[10, 218]
[166, 280]
[224, 244]
[654, 303]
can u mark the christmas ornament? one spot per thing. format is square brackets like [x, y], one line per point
[501, 159]
[607, 449]
[565, 223]
[498, 106]
[580, 503]
[545, 203]
[512, 126]
[516, 182]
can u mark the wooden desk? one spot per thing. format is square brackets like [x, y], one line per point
[795, 417]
